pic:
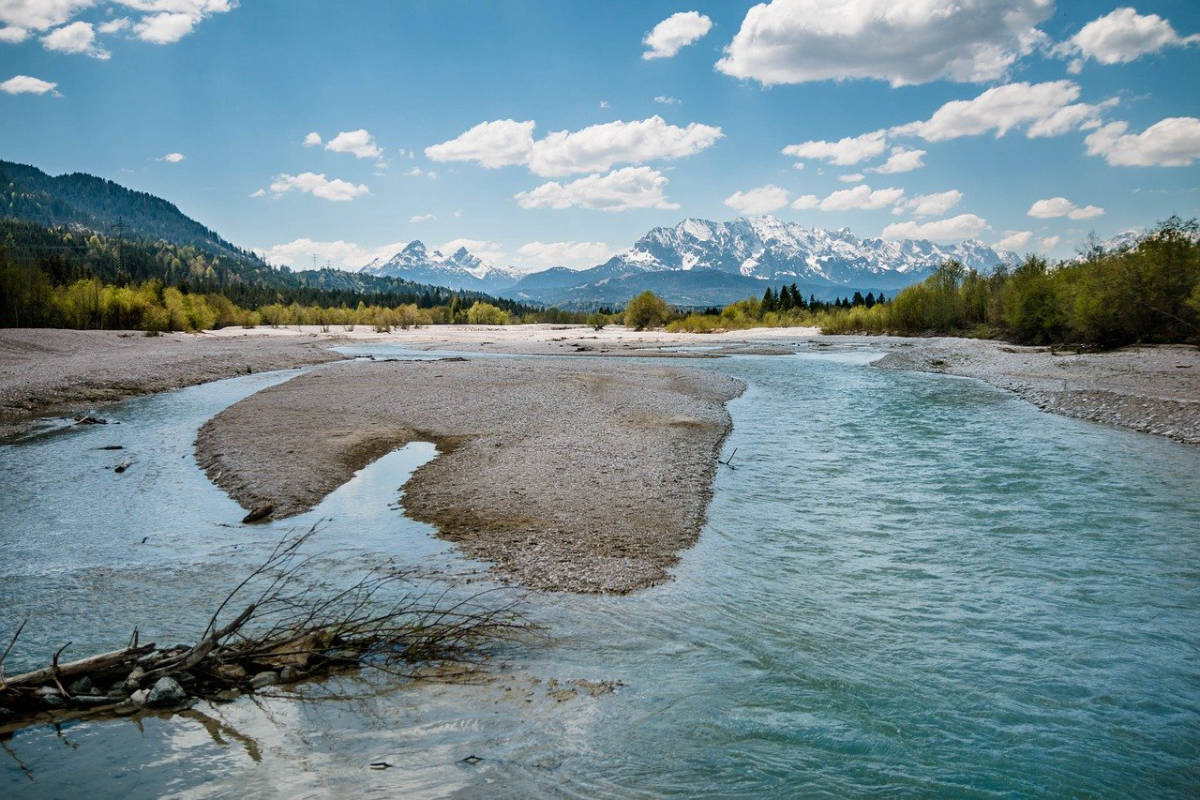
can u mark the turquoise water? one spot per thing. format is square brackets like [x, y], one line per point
[910, 585]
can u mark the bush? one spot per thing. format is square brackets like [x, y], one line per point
[486, 314]
[647, 310]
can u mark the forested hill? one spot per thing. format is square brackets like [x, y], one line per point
[79, 200]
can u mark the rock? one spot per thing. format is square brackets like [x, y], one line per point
[226, 696]
[264, 679]
[51, 697]
[290, 675]
[231, 672]
[117, 690]
[165, 692]
[124, 465]
[88, 419]
[138, 698]
[81, 686]
[258, 514]
[134, 680]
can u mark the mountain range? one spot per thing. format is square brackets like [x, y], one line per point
[700, 262]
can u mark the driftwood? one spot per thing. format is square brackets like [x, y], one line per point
[286, 633]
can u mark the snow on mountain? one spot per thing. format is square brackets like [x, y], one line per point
[459, 270]
[771, 249]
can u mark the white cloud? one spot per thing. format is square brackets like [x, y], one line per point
[422, 218]
[500, 143]
[165, 28]
[259, 193]
[488, 251]
[299, 253]
[861, 198]
[845, 151]
[901, 160]
[114, 25]
[853, 177]
[359, 142]
[674, 33]
[1062, 207]
[930, 205]
[1047, 108]
[1123, 35]
[336, 190]
[964, 226]
[604, 104]
[592, 149]
[619, 190]
[1171, 142]
[417, 172]
[312, 139]
[805, 202]
[577, 255]
[24, 84]
[12, 35]
[793, 41]
[168, 21]
[1014, 240]
[173, 158]
[78, 37]
[38, 15]
[599, 147]
[761, 200]
[667, 100]
[1050, 242]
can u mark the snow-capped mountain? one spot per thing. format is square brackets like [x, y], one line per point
[770, 249]
[700, 262]
[459, 270]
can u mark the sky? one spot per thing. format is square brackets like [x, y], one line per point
[542, 133]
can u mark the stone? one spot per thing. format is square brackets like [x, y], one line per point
[290, 675]
[138, 698]
[51, 697]
[264, 679]
[134, 680]
[81, 686]
[165, 692]
[231, 672]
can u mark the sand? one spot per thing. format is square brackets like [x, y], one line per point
[1154, 389]
[576, 475]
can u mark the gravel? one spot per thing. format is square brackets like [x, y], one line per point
[1153, 389]
[45, 372]
[570, 475]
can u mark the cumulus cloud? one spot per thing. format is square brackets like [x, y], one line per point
[674, 33]
[499, 143]
[299, 253]
[591, 149]
[1014, 240]
[38, 15]
[853, 177]
[761, 200]
[861, 198]
[336, 190]
[1170, 142]
[1046, 108]
[115, 25]
[173, 158]
[667, 100]
[1121, 36]
[619, 190]
[165, 28]
[360, 143]
[417, 172]
[168, 21]
[488, 251]
[845, 151]
[964, 226]
[1050, 242]
[312, 139]
[794, 41]
[13, 35]
[259, 193]
[577, 255]
[78, 37]
[25, 84]
[930, 205]
[1062, 207]
[417, 218]
[805, 202]
[901, 160]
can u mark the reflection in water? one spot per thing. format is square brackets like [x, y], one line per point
[911, 585]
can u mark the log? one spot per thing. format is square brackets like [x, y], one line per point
[98, 663]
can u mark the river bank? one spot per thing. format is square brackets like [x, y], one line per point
[575, 475]
[1153, 389]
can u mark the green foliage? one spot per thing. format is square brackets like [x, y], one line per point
[486, 314]
[1150, 293]
[647, 310]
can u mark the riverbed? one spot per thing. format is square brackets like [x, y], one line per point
[908, 584]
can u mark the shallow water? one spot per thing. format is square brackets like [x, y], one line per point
[910, 585]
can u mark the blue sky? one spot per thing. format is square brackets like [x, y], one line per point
[1024, 122]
